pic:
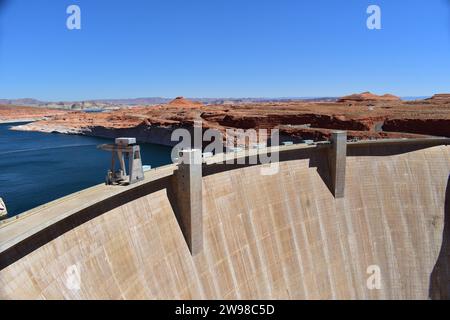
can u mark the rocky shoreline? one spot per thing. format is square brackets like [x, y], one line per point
[18, 120]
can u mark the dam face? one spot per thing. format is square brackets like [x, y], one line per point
[264, 237]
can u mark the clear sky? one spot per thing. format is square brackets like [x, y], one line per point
[222, 48]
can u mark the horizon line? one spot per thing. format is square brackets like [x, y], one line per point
[193, 97]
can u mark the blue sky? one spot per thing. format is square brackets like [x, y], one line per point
[222, 48]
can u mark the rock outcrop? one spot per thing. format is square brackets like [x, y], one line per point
[441, 97]
[368, 97]
[185, 103]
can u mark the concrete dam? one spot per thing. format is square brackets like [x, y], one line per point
[314, 230]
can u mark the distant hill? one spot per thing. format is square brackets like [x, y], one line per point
[35, 102]
[413, 98]
[133, 101]
[150, 101]
[441, 97]
[368, 96]
[22, 102]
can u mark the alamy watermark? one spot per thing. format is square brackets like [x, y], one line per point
[374, 280]
[374, 20]
[73, 22]
[73, 278]
[238, 146]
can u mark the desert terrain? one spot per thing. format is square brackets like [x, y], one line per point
[12, 113]
[364, 116]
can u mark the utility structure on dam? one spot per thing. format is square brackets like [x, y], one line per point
[211, 230]
[124, 147]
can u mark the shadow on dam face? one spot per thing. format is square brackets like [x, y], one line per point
[318, 158]
[440, 277]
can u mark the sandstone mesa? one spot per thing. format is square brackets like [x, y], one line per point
[368, 97]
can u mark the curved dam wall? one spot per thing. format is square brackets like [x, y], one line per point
[264, 237]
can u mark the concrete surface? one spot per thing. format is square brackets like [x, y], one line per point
[264, 237]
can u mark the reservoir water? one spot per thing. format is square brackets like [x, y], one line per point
[36, 168]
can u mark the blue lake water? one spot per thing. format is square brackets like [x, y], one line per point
[36, 168]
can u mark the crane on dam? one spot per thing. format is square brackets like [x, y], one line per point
[124, 147]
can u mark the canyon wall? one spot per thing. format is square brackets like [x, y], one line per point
[435, 127]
